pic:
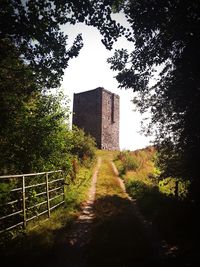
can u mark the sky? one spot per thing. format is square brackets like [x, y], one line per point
[90, 70]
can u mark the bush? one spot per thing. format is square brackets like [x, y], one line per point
[131, 163]
[125, 162]
[137, 188]
[174, 187]
[83, 146]
[39, 140]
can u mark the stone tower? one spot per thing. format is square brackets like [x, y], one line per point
[97, 113]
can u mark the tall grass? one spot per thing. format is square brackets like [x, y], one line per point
[164, 203]
[134, 165]
[125, 162]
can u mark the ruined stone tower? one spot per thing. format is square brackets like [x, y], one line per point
[97, 112]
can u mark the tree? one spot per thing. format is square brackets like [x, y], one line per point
[166, 35]
[36, 136]
[33, 27]
[33, 57]
[84, 145]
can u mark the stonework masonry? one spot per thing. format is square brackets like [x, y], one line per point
[97, 113]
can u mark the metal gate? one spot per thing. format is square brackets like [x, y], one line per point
[25, 197]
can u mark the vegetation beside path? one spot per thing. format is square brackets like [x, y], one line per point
[36, 246]
[172, 214]
[117, 237]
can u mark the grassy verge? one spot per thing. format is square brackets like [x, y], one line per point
[33, 246]
[174, 218]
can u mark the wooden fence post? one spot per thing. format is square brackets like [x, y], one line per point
[47, 189]
[24, 200]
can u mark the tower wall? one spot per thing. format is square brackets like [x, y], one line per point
[87, 113]
[110, 121]
[97, 112]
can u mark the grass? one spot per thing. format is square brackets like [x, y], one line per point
[174, 218]
[107, 183]
[42, 238]
[118, 237]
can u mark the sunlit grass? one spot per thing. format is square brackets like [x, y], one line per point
[107, 154]
[107, 183]
[143, 169]
[75, 195]
[107, 187]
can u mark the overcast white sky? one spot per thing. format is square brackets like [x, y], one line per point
[90, 70]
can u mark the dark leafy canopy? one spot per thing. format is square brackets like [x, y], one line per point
[33, 27]
[166, 33]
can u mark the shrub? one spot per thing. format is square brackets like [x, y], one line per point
[137, 188]
[174, 187]
[125, 162]
[83, 146]
[131, 163]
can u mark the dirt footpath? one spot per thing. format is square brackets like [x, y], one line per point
[110, 230]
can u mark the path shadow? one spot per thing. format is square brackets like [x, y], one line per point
[118, 236]
[115, 237]
[67, 248]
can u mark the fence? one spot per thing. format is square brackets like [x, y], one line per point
[25, 197]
